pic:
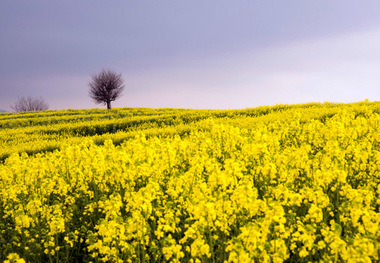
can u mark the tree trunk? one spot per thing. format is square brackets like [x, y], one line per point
[109, 105]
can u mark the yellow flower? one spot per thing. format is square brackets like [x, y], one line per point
[14, 258]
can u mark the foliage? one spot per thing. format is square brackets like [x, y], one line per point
[272, 184]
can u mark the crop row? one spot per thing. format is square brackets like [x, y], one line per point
[291, 185]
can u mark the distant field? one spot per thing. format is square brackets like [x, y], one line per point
[294, 183]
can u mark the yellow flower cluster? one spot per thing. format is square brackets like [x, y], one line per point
[295, 183]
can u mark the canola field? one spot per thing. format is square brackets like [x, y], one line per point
[287, 183]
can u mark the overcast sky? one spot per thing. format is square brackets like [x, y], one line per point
[191, 54]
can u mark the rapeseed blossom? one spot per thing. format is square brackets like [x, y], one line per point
[272, 184]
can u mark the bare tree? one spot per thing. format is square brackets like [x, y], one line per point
[24, 104]
[105, 87]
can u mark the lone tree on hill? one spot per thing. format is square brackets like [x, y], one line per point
[105, 87]
[24, 104]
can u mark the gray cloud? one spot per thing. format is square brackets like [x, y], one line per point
[192, 54]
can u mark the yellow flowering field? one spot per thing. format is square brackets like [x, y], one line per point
[287, 183]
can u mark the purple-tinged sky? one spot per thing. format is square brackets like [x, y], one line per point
[191, 54]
